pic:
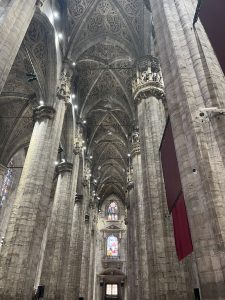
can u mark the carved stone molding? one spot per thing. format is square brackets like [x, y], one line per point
[64, 167]
[149, 90]
[43, 112]
[135, 147]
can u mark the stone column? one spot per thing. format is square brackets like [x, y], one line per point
[133, 289]
[149, 95]
[56, 251]
[193, 81]
[21, 251]
[76, 238]
[85, 263]
[141, 222]
[15, 17]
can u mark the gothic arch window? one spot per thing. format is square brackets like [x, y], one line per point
[112, 211]
[112, 246]
[7, 183]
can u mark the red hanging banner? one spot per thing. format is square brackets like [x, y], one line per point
[181, 229]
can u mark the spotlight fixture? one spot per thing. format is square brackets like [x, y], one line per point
[128, 154]
[73, 64]
[41, 102]
[75, 106]
[91, 157]
[56, 163]
[73, 96]
[84, 121]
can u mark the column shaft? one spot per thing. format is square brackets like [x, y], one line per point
[20, 254]
[193, 81]
[56, 251]
[141, 226]
[76, 240]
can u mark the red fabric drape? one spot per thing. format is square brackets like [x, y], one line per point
[181, 229]
[170, 167]
[174, 194]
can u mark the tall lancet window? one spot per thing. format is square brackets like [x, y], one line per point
[7, 183]
[112, 246]
[112, 211]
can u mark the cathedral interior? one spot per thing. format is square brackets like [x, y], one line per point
[112, 149]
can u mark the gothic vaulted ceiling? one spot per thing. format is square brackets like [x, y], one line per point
[106, 37]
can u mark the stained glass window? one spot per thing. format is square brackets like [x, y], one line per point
[112, 212]
[112, 290]
[7, 183]
[112, 246]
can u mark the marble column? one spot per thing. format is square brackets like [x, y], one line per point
[150, 98]
[85, 262]
[56, 251]
[20, 254]
[15, 17]
[76, 237]
[141, 222]
[194, 81]
[21, 251]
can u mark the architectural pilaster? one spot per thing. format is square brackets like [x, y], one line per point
[21, 251]
[56, 251]
[149, 94]
[143, 275]
[194, 81]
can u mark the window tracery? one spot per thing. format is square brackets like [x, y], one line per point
[112, 211]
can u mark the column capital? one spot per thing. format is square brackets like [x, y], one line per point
[43, 112]
[148, 80]
[64, 167]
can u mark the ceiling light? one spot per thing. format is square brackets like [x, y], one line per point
[91, 157]
[128, 154]
[41, 102]
[56, 163]
[75, 106]
[84, 121]
[56, 15]
[73, 96]
[73, 63]
[60, 36]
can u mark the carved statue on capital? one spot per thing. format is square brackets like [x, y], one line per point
[78, 142]
[148, 80]
[135, 142]
[64, 88]
[87, 175]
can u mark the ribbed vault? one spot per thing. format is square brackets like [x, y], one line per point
[106, 37]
